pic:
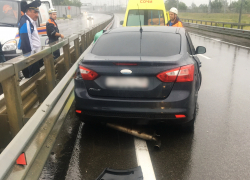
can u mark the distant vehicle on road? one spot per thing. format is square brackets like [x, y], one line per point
[85, 13]
[149, 12]
[90, 16]
[147, 77]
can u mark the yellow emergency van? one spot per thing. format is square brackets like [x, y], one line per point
[149, 12]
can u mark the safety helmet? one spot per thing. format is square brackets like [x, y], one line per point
[6, 8]
[52, 10]
[174, 10]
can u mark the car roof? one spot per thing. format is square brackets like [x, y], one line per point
[165, 29]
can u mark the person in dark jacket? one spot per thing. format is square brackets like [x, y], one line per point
[29, 38]
[2, 58]
[53, 31]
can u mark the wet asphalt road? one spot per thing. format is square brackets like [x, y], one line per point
[218, 149]
[68, 27]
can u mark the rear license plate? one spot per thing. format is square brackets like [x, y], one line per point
[127, 82]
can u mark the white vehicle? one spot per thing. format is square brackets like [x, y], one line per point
[10, 13]
[90, 16]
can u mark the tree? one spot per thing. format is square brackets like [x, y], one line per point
[170, 3]
[216, 6]
[203, 8]
[182, 6]
[235, 6]
[67, 3]
[194, 7]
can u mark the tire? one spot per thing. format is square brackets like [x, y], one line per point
[189, 126]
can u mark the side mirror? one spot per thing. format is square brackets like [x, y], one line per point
[121, 22]
[200, 50]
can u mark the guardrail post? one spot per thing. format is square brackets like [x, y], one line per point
[66, 53]
[50, 72]
[223, 25]
[88, 39]
[14, 105]
[83, 42]
[77, 48]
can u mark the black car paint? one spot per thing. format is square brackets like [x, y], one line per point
[181, 98]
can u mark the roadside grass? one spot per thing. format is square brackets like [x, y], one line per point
[219, 17]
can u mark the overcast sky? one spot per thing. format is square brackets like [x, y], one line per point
[123, 2]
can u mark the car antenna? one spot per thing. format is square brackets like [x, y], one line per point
[140, 28]
[140, 19]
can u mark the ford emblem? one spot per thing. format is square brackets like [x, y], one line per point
[126, 71]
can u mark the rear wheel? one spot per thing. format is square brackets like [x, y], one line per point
[189, 126]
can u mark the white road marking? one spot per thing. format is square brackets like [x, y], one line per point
[204, 56]
[143, 159]
[74, 168]
[221, 41]
[216, 39]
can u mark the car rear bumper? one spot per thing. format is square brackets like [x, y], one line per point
[179, 102]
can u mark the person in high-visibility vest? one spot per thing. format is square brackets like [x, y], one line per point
[53, 30]
[174, 19]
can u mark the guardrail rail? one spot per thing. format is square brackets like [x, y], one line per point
[20, 101]
[221, 30]
[37, 137]
[215, 23]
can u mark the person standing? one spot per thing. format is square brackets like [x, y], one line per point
[53, 31]
[174, 19]
[2, 58]
[29, 38]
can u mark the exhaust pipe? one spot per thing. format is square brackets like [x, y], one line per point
[137, 133]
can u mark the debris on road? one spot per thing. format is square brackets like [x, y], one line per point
[140, 133]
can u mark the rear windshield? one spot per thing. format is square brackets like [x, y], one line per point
[128, 44]
[147, 18]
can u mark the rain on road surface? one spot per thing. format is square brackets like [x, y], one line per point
[218, 149]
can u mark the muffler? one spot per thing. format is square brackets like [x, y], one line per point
[137, 133]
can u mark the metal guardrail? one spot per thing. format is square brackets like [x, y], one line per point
[220, 30]
[215, 23]
[18, 103]
[38, 136]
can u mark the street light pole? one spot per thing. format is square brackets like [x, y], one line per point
[242, 1]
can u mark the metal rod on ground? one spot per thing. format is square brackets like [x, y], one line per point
[137, 133]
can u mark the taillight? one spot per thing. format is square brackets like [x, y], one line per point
[87, 74]
[169, 76]
[182, 74]
[186, 74]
